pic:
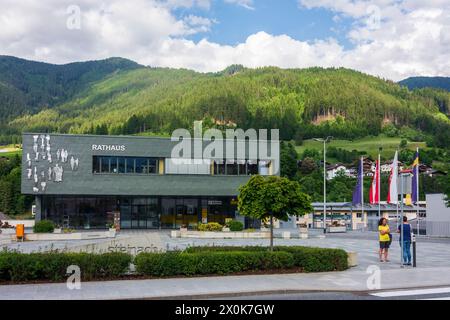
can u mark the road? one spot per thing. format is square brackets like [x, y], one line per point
[435, 293]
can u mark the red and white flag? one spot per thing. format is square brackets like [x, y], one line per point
[374, 197]
[392, 196]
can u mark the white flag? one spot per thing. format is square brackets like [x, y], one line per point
[393, 193]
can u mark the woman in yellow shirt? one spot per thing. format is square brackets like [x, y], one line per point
[385, 239]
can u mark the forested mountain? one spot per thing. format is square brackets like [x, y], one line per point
[427, 82]
[29, 86]
[303, 103]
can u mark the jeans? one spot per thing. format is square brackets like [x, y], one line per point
[406, 251]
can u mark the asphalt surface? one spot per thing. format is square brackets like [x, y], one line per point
[410, 294]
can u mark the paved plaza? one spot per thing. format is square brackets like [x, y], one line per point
[433, 269]
[431, 252]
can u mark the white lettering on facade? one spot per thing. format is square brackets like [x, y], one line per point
[107, 147]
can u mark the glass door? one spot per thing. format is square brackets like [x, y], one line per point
[142, 216]
[134, 217]
[152, 214]
[125, 214]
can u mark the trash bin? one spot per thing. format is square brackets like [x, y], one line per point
[20, 232]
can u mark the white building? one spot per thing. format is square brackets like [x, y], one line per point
[334, 170]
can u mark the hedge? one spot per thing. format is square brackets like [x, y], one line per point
[310, 259]
[235, 225]
[15, 266]
[44, 226]
[207, 262]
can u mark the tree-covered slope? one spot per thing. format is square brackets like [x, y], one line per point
[29, 86]
[303, 103]
[427, 82]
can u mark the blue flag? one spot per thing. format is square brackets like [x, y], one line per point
[357, 193]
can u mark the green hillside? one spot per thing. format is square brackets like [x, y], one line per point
[303, 103]
[368, 145]
[427, 82]
[29, 86]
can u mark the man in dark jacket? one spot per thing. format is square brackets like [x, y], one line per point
[406, 238]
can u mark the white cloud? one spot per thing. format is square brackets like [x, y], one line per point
[204, 4]
[409, 39]
[198, 24]
[38, 30]
[248, 4]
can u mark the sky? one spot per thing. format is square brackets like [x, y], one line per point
[392, 39]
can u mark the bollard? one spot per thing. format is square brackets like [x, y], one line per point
[413, 238]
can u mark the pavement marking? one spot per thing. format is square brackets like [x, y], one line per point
[404, 293]
[440, 298]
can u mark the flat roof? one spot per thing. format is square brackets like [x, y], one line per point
[131, 136]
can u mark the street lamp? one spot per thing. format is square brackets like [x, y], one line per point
[324, 180]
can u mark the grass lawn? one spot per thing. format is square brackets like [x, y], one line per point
[9, 150]
[368, 144]
[22, 216]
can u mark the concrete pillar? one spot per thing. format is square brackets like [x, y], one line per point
[38, 208]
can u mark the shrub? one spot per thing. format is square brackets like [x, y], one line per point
[310, 259]
[208, 262]
[44, 226]
[235, 225]
[210, 226]
[15, 266]
[317, 259]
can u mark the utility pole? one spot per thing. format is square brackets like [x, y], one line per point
[324, 180]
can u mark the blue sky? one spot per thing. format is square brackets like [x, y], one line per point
[393, 39]
[234, 23]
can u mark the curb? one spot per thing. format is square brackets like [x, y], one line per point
[270, 292]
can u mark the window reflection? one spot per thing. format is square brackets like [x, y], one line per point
[124, 165]
[241, 167]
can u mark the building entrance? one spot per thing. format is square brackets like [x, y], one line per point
[139, 213]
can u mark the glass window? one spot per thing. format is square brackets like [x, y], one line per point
[168, 213]
[152, 166]
[121, 162]
[104, 165]
[130, 165]
[141, 165]
[219, 167]
[113, 165]
[242, 168]
[264, 167]
[80, 212]
[232, 167]
[96, 164]
[252, 167]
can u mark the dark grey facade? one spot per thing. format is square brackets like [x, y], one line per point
[82, 181]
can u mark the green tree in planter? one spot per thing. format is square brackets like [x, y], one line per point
[273, 196]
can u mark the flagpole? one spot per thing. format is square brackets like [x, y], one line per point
[379, 183]
[362, 194]
[396, 202]
[396, 209]
[417, 192]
